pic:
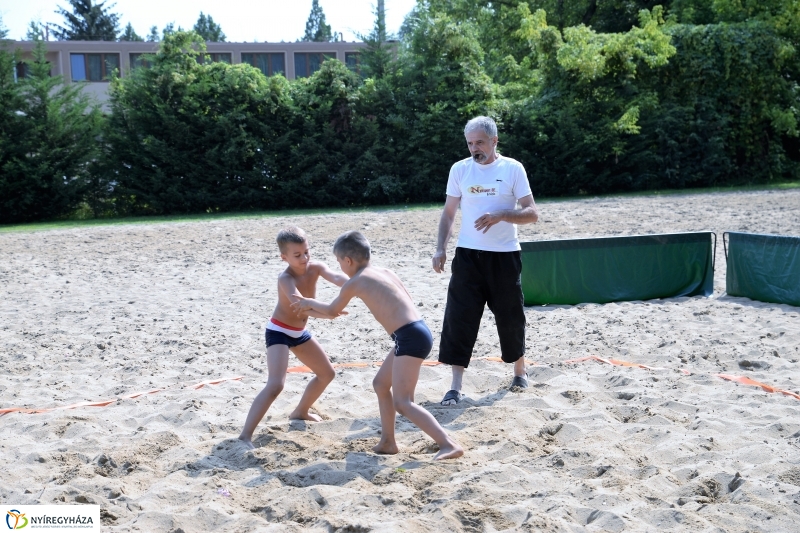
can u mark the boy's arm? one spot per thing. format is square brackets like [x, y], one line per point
[289, 288]
[331, 310]
[337, 278]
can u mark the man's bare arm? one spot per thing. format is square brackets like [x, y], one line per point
[445, 232]
[527, 214]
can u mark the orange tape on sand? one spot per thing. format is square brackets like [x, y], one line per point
[727, 377]
[744, 380]
[104, 403]
[615, 362]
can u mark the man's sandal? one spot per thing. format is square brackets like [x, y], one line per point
[521, 382]
[452, 397]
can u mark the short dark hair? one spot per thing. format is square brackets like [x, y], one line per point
[353, 245]
[289, 234]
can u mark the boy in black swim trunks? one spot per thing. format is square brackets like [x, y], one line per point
[391, 305]
[287, 331]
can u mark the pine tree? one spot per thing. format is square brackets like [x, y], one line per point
[169, 29]
[377, 54]
[316, 28]
[209, 30]
[129, 34]
[36, 31]
[3, 29]
[48, 140]
[153, 36]
[87, 22]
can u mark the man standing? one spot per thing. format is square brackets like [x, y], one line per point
[487, 266]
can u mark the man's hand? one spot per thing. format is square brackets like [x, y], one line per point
[487, 221]
[439, 259]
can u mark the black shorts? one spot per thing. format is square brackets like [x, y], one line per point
[413, 339]
[483, 278]
[278, 337]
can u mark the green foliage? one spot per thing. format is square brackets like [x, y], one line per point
[129, 34]
[317, 30]
[152, 36]
[188, 137]
[208, 29]
[592, 97]
[87, 22]
[376, 56]
[48, 139]
[657, 106]
[169, 29]
[36, 31]
[3, 29]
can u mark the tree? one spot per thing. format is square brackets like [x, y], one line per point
[48, 139]
[87, 22]
[36, 31]
[3, 29]
[316, 28]
[129, 34]
[153, 36]
[169, 29]
[377, 54]
[209, 30]
[190, 137]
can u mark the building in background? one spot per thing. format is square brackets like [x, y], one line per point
[93, 62]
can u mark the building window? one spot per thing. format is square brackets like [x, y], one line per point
[23, 70]
[306, 64]
[269, 64]
[93, 67]
[353, 61]
[139, 59]
[216, 57]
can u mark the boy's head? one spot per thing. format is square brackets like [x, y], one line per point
[353, 245]
[290, 234]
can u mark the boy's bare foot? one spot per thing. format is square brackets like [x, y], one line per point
[386, 447]
[247, 442]
[311, 417]
[451, 451]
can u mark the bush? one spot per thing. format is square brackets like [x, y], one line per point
[49, 135]
[190, 137]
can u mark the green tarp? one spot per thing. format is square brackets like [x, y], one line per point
[613, 269]
[763, 267]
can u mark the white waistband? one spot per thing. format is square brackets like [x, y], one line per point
[293, 333]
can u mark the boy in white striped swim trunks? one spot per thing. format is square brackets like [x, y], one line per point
[286, 331]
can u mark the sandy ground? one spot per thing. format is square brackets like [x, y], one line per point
[102, 312]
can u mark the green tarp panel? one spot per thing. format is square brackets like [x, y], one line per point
[763, 267]
[614, 269]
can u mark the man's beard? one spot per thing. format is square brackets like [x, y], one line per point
[479, 157]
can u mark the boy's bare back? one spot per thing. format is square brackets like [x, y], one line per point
[384, 294]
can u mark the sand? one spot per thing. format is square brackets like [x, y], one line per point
[103, 312]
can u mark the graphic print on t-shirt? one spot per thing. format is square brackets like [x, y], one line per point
[481, 190]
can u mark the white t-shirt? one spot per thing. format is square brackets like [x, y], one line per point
[483, 189]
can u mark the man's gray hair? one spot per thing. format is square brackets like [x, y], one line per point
[485, 124]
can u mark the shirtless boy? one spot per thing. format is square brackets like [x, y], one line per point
[286, 331]
[389, 302]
